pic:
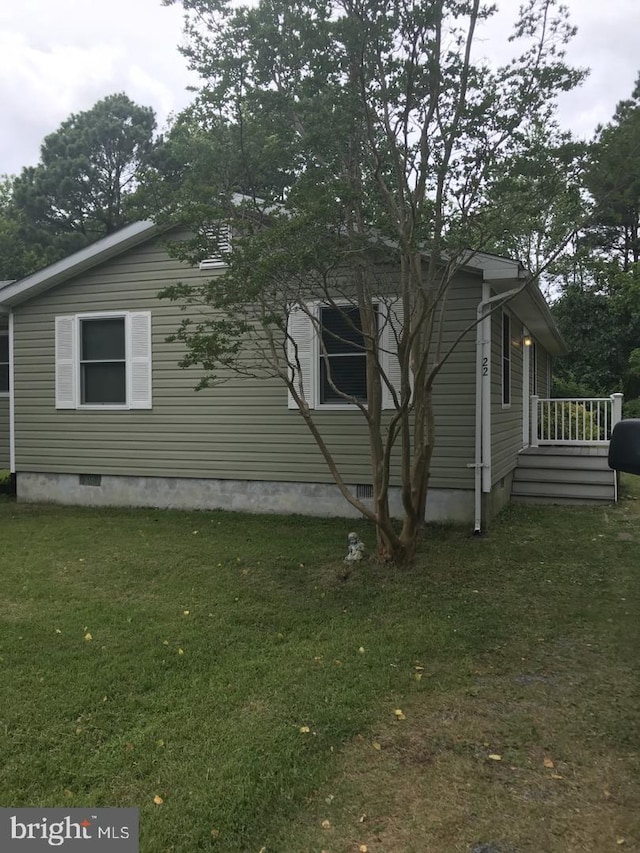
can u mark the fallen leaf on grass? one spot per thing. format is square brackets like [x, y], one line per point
[548, 763]
[180, 651]
[326, 824]
[495, 757]
[621, 840]
[185, 612]
[88, 637]
[158, 800]
[363, 848]
[304, 730]
[399, 714]
[361, 650]
[376, 745]
[556, 776]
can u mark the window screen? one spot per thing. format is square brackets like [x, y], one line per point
[342, 358]
[4, 362]
[103, 361]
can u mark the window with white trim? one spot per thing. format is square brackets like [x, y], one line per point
[326, 353]
[342, 359]
[4, 362]
[506, 359]
[103, 360]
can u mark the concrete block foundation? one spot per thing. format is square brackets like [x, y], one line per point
[316, 499]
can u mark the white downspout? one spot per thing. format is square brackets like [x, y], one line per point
[12, 402]
[482, 464]
[481, 366]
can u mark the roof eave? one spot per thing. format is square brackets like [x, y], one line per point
[530, 306]
[79, 262]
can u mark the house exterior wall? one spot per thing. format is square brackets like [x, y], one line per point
[506, 421]
[241, 430]
[543, 386]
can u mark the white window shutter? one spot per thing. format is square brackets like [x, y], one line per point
[65, 356]
[140, 359]
[393, 324]
[302, 332]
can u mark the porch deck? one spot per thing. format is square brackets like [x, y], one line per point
[566, 460]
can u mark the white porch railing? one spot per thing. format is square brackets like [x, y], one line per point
[576, 420]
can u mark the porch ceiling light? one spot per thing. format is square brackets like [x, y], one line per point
[527, 340]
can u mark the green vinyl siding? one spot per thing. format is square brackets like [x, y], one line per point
[506, 421]
[241, 429]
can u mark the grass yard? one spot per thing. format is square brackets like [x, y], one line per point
[221, 673]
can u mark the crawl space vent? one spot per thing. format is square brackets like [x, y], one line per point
[364, 491]
[90, 479]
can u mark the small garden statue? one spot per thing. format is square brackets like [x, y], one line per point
[356, 548]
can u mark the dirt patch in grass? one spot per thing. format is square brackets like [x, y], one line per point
[515, 763]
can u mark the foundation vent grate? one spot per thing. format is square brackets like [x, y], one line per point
[364, 491]
[90, 479]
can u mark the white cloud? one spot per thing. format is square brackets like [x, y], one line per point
[61, 56]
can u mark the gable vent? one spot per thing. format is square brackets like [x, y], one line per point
[219, 236]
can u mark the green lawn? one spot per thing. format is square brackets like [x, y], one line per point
[225, 665]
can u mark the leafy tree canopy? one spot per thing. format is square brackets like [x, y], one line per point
[613, 179]
[381, 137]
[88, 168]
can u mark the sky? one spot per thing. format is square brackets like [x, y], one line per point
[59, 57]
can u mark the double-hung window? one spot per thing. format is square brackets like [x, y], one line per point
[4, 362]
[103, 360]
[342, 359]
[326, 353]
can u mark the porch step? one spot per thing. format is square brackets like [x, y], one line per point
[564, 475]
